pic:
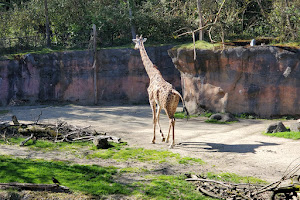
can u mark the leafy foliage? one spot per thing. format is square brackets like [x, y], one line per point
[162, 21]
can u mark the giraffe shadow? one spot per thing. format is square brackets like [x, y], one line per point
[219, 147]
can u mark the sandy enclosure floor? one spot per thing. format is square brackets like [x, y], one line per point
[238, 147]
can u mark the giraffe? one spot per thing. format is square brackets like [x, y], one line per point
[162, 95]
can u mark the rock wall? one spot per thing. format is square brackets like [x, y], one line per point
[68, 77]
[261, 80]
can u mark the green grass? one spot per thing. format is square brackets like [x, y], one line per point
[46, 145]
[143, 155]
[90, 179]
[234, 178]
[214, 121]
[167, 187]
[182, 115]
[95, 180]
[3, 112]
[117, 151]
[287, 135]
[288, 44]
[199, 45]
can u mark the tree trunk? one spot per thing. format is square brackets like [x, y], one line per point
[94, 64]
[288, 20]
[200, 19]
[47, 25]
[132, 26]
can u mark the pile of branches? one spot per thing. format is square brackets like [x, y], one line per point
[61, 131]
[278, 190]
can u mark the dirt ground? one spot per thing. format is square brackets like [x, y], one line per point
[237, 148]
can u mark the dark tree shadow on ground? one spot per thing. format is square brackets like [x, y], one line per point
[234, 148]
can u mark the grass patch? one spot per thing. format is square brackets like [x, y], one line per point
[182, 115]
[206, 114]
[199, 45]
[167, 187]
[90, 179]
[46, 145]
[143, 155]
[287, 135]
[234, 178]
[133, 170]
[288, 44]
[3, 112]
[95, 180]
[214, 121]
[117, 151]
[188, 160]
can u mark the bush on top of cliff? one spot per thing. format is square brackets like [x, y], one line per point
[198, 45]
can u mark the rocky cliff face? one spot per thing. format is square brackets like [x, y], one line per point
[68, 77]
[262, 80]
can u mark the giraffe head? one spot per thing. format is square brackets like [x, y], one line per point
[139, 41]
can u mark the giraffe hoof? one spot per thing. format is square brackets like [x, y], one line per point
[153, 142]
[171, 146]
[163, 139]
[167, 141]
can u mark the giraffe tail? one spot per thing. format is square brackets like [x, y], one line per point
[183, 104]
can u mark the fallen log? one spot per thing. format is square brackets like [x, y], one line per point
[210, 194]
[35, 187]
[59, 132]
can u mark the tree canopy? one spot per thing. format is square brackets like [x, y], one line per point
[70, 21]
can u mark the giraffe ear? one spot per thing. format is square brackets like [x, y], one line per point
[134, 40]
[145, 39]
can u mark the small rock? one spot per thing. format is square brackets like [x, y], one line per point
[101, 142]
[276, 127]
[227, 117]
[295, 127]
[217, 116]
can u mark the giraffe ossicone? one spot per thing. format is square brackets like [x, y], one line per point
[162, 95]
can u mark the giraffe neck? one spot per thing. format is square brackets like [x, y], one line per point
[149, 66]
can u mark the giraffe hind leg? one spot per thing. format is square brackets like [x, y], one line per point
[157, 119]
[173, 133]
[170, 110]
[168, 137]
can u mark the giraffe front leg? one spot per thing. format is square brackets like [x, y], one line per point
[154, 126]
[154, 120]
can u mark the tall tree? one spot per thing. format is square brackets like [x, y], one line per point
[47, 24]
[199, 7]
[132, 26]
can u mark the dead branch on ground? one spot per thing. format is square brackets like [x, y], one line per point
[35, 187]
[61, 131]
[276, 190]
